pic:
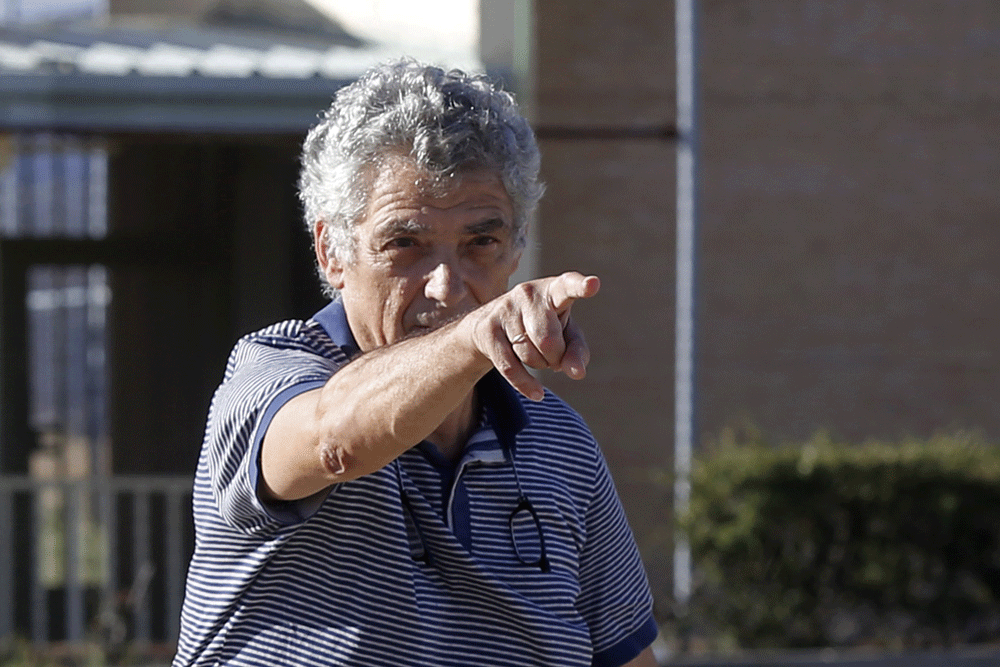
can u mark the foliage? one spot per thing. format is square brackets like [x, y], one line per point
[829, 544]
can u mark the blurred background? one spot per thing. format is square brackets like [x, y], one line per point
[848, 262]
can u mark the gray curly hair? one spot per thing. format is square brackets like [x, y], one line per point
[446, 122]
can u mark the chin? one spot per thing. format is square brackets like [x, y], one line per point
[415, 330]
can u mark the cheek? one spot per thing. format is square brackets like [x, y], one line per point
[491, 281]
[400, 299]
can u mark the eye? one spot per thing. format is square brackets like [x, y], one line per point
[484, 240]
[401, 242]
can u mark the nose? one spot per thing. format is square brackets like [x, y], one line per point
[445, 285]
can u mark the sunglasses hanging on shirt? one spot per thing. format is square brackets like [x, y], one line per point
[523, 522]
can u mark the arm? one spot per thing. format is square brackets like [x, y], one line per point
[391, 398]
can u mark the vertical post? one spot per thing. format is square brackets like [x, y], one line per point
[16, 437]
[108, 512]
[15, 433]
[141, 564]
[9, 195]
[507, 50]
[687, 218]
[38, 595]
[75, 554]
[175, 559]
[6, 563]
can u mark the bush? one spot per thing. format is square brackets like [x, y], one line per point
[894, 545]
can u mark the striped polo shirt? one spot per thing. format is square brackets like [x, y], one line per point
[414, 564]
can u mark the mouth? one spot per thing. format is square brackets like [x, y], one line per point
[429, 321]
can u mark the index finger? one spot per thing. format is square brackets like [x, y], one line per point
[570, 286]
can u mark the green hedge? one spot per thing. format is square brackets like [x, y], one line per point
[828, 544]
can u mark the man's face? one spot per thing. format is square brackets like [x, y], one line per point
[422, 259]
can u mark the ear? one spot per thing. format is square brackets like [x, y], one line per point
[517, 251]
[516, 261]
[328, 262]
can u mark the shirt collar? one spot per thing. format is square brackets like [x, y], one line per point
[504, 412]
[333, 319]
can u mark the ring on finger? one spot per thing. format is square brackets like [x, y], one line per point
[520, 338]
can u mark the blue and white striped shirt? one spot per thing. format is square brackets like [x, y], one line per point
[333, 580]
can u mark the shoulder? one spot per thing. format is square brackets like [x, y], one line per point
[290, 340]
[266, 369]
[558, 439]
[285, 353]
[269, 363]
[553, 419]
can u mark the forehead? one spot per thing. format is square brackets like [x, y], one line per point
[397, 183]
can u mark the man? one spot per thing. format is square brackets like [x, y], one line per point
[387, 483]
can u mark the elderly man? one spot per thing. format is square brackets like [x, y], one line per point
[387, 483]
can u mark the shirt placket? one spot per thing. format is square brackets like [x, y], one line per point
[457, 510]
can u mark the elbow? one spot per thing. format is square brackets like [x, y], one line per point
[338, 462]
[344, 463]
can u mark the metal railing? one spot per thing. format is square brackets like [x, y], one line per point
[93, 559]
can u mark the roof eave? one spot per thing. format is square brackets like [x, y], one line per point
[93, 103]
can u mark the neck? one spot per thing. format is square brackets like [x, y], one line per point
[450, 437]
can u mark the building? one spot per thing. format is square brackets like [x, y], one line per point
[848, 257]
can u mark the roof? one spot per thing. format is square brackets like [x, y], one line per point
[149, 75]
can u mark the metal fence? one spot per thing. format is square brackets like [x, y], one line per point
[93, 559]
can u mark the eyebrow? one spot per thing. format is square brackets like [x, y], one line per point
[486, 226]
[404, 227]
[412, 227]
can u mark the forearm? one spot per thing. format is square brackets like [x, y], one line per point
[392, 397]
[370, 412]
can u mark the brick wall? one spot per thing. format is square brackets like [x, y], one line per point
[849, 267]
[609, 211]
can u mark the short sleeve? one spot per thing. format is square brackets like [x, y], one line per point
[259, 380]
[615, 599]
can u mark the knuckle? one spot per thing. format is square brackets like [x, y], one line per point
[489, 332]
[550, 343]
[505, 366]
[532, 359]
[525, 291]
